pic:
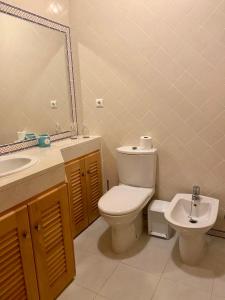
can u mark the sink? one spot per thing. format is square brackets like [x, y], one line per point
[15, 163]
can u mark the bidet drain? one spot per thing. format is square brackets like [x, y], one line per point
[193, 221]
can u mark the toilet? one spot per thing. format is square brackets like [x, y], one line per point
[122, 206]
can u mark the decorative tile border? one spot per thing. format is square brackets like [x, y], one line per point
[9, 148]
[60, 136]
[30, 17]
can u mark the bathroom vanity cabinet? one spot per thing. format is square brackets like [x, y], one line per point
[36, 247]
[85, 189]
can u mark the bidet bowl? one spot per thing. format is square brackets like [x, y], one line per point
[205, 213]
[192, 220]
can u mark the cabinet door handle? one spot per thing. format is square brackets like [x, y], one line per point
[82, 174]
[37, 227]
[25, 235]
[88, 172]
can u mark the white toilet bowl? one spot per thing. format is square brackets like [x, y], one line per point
[122, 207]
[192, 224]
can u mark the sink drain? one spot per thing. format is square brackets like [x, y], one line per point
[193, 221]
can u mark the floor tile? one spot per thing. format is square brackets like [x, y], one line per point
[200, 276]
[128, 283]
[92, 271]
[103, 275]
[97, 243]
[151, 259]
[97, 240]
[170, 290]
[98, 226]
[94, 230]
[74, 291]
[163, 243]
[219, 286]
[98, 297]
[215, 261]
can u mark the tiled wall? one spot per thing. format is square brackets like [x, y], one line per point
[160, 67]
[56, 10]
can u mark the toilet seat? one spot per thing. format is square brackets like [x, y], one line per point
[124, 199]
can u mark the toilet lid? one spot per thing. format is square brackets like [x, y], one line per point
[123, 199]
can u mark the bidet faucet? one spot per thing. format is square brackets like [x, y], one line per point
[196, 193]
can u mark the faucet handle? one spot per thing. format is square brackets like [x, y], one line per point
[196, 190]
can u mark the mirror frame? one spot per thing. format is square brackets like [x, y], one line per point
[31, 17]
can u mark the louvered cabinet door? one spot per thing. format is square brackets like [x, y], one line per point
[17, 269]
[93, 184]
[52, 242]
[75, 172]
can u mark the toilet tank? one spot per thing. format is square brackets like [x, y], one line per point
[137, 167]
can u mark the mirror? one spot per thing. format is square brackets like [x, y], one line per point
[36, 95]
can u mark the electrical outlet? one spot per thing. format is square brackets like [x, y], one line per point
[99, 103]
[53, 104]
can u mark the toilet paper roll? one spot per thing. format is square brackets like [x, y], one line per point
[145, 142]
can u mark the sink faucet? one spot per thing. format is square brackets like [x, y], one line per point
[196, 193]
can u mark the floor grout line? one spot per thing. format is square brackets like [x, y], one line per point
[213, 289]
[121, 262]
[107, 279]
[141, 270]
[160, 278]
[84, 287]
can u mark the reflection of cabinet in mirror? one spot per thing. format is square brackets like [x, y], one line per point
[37, 236]
[85, 189]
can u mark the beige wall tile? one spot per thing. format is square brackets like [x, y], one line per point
[159, 65]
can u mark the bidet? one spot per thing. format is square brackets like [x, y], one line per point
[192, 221]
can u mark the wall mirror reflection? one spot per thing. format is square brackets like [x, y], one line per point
[36, 95]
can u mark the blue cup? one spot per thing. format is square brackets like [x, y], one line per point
[44, 140]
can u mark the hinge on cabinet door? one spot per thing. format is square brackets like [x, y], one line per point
[37, 227]
[25, 235]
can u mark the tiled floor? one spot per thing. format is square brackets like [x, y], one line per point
[151, 270]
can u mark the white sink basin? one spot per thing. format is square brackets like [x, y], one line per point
[15, 163]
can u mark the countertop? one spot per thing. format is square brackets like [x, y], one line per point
[47, 172]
